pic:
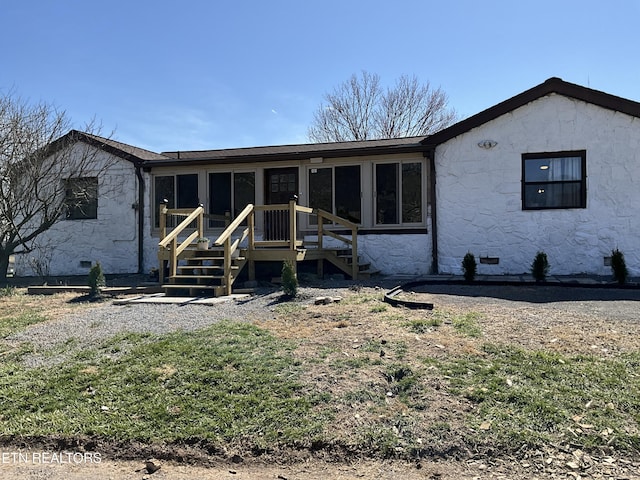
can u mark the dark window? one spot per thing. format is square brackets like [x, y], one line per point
[230, 192]
[398, 193]
[180, 191]
[187, 191]
[554, 180]
[348, 198]
[219, 197]
[321, 190]
[387, 190]
[336, 190]
[411, 192]
[244, 191]
[81, 198]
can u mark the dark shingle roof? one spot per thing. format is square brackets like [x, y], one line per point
[356, 148]
[291, 152]
[552, 85]
[122, 150]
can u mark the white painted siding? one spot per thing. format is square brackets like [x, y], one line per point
[479, 191]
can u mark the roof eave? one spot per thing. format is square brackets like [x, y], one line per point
[287, 156]
[552, 85]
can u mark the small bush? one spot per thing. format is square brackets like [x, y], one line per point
[619, 266]
[540, 267]
[8, 291]
[469, 267]
[289, 279]
[96, 280]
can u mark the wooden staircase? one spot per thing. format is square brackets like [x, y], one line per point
[343, 259]
[212, 272]
[202, 274]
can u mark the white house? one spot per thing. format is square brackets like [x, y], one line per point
[107, 226]
[555, 168]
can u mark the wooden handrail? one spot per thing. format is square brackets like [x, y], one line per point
[302, 209]
[335, 219]
[231, 241]
[234, 225]
[187, 241]
[179, 212]
[267, 208]
[181, 226]
[354, 236]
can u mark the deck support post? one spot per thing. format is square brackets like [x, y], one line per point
[251, 222]
[320, 268]
[227, 266]
[162, 221]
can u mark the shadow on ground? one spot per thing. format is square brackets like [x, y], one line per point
[532, 293]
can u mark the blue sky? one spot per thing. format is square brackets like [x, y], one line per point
[205, 74]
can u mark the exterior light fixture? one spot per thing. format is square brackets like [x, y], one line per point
[544, 167]
[487, 144]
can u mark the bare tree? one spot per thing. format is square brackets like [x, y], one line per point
[359, 109]
[39, 159]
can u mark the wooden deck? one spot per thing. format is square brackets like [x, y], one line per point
[213, 271]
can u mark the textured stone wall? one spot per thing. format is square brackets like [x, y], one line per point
[402, 254]
[479, 191]
[110, 239]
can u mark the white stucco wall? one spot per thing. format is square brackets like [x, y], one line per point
[403, 254]
[397, 254]
[479, 191]
[110, 239]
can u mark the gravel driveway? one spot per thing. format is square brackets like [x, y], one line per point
[57, 340]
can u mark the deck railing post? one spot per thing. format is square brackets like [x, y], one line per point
[292, 224]
[354, 253]
[162, 218]
[162, 224]
[251, 223]
[227, 265]
[320, 228]
[173, 260]
[201, 222]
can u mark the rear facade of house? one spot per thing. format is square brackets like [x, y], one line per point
[553, 169]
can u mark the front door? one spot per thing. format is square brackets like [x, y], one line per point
[281, 184]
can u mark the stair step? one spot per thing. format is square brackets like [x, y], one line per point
[368, 273]
[212, 259]
[193, 290]
[193, 277]
[206, 267]
[177, 286]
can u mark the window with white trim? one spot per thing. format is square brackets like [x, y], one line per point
[181, 191]
[554, 180]
[337, 190]
[398, 193]
[230, 192]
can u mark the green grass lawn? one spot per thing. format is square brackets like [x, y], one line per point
[237, 384]
[229, 383]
